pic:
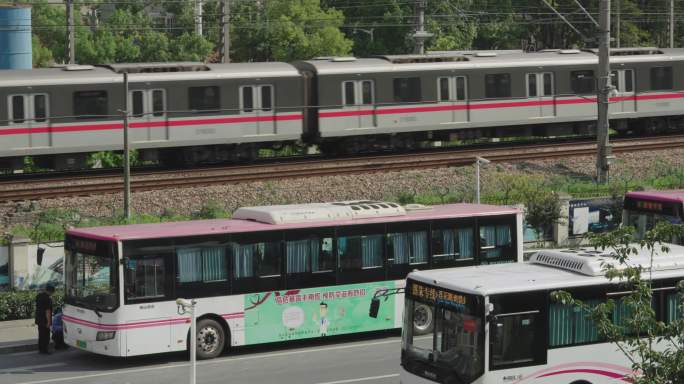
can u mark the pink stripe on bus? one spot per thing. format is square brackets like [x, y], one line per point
[590, 371]
[141, 324]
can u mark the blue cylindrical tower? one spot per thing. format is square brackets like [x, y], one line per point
[15, 37]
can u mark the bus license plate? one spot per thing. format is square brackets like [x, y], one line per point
[80, 343]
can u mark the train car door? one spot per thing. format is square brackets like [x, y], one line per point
[453, 91]
[30, 111]
[257, 101]
[266, 124]
[358, 97]
[147, 108]
[540, 89]
[365, 96]
[623, 80]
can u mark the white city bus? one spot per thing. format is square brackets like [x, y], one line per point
[269, 274]
[498, 324]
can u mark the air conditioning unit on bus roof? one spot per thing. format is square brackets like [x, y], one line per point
[302, 213]
[592, 262]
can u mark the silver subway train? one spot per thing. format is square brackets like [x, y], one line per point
[193, 113]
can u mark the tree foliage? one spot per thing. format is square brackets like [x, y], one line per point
[287, 30]
[654, 348]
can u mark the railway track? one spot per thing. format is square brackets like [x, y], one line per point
[150, 180]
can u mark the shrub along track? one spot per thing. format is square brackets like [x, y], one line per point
[456, 157]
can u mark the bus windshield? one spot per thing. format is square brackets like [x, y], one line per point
[645, 221]
[91, 278]
[452, 349]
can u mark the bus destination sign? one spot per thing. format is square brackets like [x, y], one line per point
[435, 295]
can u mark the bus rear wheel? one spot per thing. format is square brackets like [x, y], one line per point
[211, 339]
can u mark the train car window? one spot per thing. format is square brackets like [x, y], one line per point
[137, 103]
[582, 82]
[443, 89]
[407, 90]
[497, 85]
[367, 92]
[204, 98]
[460, 88]
[661, 78]
[531, 85]
[89, 104]
[40, 108]
[158, 102]
[247, 99]
[548, 84]
[349, 99]
[18, 109]
[266, 102]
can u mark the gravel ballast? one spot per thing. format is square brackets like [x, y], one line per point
[375, 186]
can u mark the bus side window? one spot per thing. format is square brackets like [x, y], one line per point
[494, 240]
[144, 278]
[515, 339]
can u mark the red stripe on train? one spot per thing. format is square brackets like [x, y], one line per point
[513, 104]
[150, 124]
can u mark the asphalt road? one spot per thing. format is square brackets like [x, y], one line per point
[367, 360]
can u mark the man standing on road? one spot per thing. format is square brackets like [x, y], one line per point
[44, 318]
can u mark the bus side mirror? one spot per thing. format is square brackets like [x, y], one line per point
[39, 255]
[374, 308]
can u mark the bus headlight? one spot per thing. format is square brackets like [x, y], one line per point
[108, 335]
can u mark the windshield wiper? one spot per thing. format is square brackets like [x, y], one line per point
[97, 311]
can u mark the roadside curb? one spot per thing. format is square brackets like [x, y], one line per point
[18, 347]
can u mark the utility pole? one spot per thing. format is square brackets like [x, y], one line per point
[70, 47]
[186, 307]
[478, 162]
[421, 34]
[225, 31]
[671, 23]
[126, 154]
[617, 23]
[198, 17]
[604, 153]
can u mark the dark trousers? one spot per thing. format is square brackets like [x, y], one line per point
[58, 338]
[43, 338]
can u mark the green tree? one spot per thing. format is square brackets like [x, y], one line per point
[285, 30]
[42, 56]
[654, 348]
[543, 209]
[190, 47]
[47, 22]
[376, 27]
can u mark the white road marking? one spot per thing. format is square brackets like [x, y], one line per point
[368, 378]
[30, 367]
[212, 362]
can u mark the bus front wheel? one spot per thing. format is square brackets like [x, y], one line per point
[422, 319]
[211, 339]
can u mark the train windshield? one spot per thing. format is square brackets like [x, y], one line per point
[91, 274]
[443, 338]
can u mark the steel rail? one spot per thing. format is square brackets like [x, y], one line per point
[330, 167]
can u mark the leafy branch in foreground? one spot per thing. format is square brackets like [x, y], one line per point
[654, 346]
